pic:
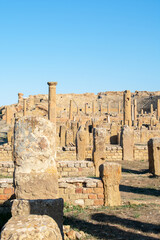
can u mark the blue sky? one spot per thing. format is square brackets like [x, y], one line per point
[84, 45]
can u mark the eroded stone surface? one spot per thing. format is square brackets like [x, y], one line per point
[154, 156]
[127, 143]
[111, 174]
[31, 227]
[99, 135]
[81, 143]
[34, 155]
[50, 207]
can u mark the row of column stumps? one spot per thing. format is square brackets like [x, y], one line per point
[129, 109]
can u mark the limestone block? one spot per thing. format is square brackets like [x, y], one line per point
[127, 143]
[50, 207]
[35, 174]
[81, 144]
[99, 147]
[31, 227]
[154, 156]
[111, 175]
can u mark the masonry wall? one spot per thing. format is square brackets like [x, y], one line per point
[6, 169]
[68, 154]
[6, 189]
[140, 152]
[114, 153]
[75, 169]
[84, 191]
[5, 153]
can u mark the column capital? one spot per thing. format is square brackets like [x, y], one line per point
[52, 83]
[20, 94]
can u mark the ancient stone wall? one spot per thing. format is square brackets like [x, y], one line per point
[82, 191]
[5, 153]
[6, 189]
[140, 152]
[6, 169]
[75, 168]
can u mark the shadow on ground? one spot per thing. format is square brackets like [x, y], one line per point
[139, 190]
[143, 171]
[103, 230]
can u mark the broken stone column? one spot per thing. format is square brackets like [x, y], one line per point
[154, 156]
[71, 110]
[99, 147]
[111, 174]
[52, 101]
[29, 227]
[24, 106]
[158, 109]
[151, 109]
[93, 107]
[50, 207]
[31, 102]
[127, 143]
[20, 97]
[101, 110]
[8, 115]
[152, 121]
[86, 108]
[135, 110]
[34, 156]
[119, 107]
[81, 144]
[74, 129]
[69, 138]
[127, 108]
[62, 135]
[139, 123]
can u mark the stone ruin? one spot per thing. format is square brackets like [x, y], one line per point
[85, 136]
[37, 212]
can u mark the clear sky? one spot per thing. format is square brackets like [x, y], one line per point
[84, 45]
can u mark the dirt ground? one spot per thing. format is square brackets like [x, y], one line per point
[139, 216]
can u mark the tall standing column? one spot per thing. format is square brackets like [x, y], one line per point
[24, 106]
[151, 109]
[86, 106]
[100, 109]
[93, 107]
[127, 108]
[20, 97]
[135, 109]
[71, 110]
[8, 115]
[119, 107]
[52, 101]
